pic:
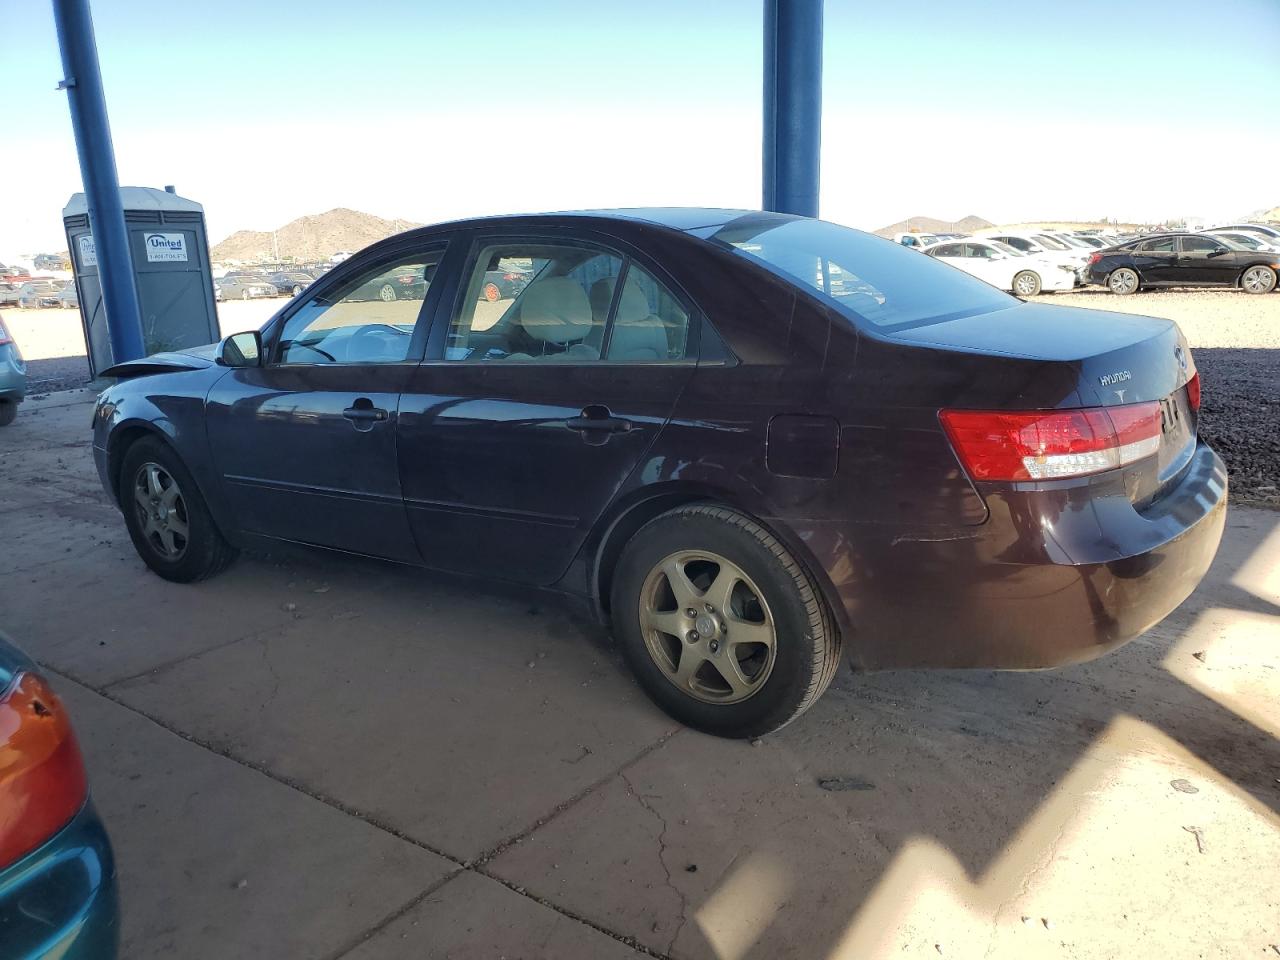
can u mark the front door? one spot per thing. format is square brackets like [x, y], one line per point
[515, 438]
[1203, 260]
[305, 445]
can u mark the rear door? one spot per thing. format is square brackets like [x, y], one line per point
[532, 409]
[1157, 260]
[306, 444]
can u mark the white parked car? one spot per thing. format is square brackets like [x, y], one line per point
[1250, 241]
[917, 240]
[1006, 267]
[1046, 247]
[1268, 232]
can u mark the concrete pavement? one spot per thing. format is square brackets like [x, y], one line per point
[317, 757]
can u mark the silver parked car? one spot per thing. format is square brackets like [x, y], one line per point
[13, 377]
[244, 288]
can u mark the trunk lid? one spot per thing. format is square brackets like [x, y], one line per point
[1111, 359]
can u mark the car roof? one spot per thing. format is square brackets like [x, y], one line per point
[684, 219]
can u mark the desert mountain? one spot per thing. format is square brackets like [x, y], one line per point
[314, 237]
[969, 224]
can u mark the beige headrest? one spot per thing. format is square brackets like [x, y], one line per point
[633, 306]
[555, 310]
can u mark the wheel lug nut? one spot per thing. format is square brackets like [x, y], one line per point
[710, 608]
[691, 612]
[693, 636]
[715, 646]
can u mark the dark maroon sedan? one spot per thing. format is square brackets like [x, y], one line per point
[757, 443]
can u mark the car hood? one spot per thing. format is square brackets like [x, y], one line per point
[193, 358]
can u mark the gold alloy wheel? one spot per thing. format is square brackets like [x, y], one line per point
[707, 627]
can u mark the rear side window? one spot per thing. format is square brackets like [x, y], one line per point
[1166, 245]
[881, 283]
[536, 302]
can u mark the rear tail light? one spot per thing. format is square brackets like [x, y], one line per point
[1052, 444]
[1193, 390]
[42, 778]
[1094, 257]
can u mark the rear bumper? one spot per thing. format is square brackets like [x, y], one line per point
[61, 900]
[1055, 576]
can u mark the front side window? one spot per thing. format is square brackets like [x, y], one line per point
[883, 283]
[367, 319]
[1201, 245]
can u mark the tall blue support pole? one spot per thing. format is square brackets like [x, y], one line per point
[82, 79]
[792, 105]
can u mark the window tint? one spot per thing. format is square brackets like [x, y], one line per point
[531, 301]
[368, 319]
[884, 284]
[1200, 245]
[648, 324]
[948, 250]
[1166, 245]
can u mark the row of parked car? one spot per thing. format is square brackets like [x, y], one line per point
[33, 293]
[1242, 255]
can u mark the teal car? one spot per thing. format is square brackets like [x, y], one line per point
[57, 873]
[13, 376]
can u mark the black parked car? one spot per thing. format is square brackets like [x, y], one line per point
[1183, 260]
[290, 284]
[753, 471]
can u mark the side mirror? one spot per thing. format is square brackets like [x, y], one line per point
[241, 350]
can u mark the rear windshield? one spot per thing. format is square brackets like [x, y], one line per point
[880, 282]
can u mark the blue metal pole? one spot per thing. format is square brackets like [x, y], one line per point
[82, 79]
[792, 105]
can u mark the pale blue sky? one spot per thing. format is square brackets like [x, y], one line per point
[1010, 109]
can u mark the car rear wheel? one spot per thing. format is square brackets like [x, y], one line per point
[8, 412]
[1123, 282]
[297, 289]
[387, 293]
[1026, 283]
[1258, 279]
[245, 295]
[721, 625]
[168, 521]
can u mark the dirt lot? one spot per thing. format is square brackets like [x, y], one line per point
[314, 757]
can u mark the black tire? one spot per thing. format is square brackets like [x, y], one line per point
[1026, 283]
[8, 412]
[1124, 282]
[807, 643]
[206, 552]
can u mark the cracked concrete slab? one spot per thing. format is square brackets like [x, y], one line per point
[461, 717]
[913, 809]
[474, 918]
[216, 860]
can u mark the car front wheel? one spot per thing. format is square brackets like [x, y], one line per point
[1258, 280]
[168, 521]
[1123, 282]
[1026, 283]
[721, 625]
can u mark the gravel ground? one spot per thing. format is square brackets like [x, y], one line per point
[1235, 338]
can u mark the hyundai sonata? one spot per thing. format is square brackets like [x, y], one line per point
[758, 444]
